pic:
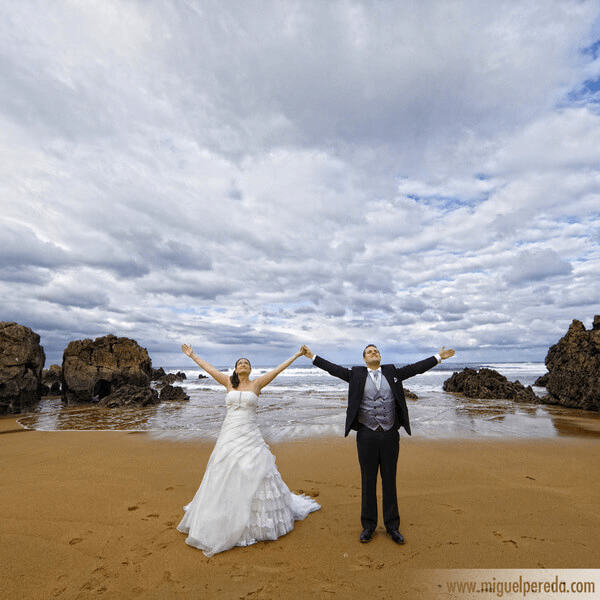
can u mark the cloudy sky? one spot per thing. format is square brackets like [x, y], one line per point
[250, 175]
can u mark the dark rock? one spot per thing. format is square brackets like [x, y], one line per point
[51, 378]
[156, 374]
[170, 378]
[21, 364]
[173, 394]
[574, 368]
[488, 384]
[51, 374]
[130, 395]
[95, 369]
[410, 395]
[542, 381]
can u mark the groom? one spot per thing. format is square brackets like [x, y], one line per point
[376, 410]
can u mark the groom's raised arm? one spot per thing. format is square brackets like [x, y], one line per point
[424, 365]
[331, 368]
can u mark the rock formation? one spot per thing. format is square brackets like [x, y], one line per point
[130, 395]
[169, 378]
[51, 378]
[96, 369]
[21, 364]
[410, 395]
[574, 368]
[487, 383]
[156, 374]
[173, 394]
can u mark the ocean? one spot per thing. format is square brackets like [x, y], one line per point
[304, 401]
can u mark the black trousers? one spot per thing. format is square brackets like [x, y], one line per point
[378, 450]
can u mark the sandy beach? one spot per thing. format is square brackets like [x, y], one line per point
[88, 514]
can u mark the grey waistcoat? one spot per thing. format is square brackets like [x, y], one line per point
[377, 406]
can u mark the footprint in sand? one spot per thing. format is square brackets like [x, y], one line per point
[327, 588]
[96, 583]
[454, 509]
[362, 562]
[499, 535]
[251, 593]
[313, 493]
[239, 571]
[138, 591]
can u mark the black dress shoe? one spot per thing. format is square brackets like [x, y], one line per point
[366, 536]
[396, 536]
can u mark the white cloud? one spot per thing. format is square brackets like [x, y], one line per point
[536, 265]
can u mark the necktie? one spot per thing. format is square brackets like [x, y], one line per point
[376, 378]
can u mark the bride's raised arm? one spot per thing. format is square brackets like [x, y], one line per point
[264, 380]
[217, 375]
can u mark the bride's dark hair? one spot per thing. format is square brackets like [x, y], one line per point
[235, 380]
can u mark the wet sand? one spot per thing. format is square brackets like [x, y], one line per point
[93, 513]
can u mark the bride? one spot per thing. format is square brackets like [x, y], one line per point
[242, 498]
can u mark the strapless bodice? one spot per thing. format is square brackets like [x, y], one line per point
[236, 400]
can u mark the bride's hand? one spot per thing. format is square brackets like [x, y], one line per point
[187, 350]
[306, 352]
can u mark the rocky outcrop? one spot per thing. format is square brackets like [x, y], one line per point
[51, 390]
[130, 395]
[162, 378]
[488, 384]
[96, 369]
[173, 394]
[170, 378]
[156, 374]
[51, 378]
[574, 368]
[542, 381]
[21, 364]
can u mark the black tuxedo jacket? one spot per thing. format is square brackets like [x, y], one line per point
[357, 377]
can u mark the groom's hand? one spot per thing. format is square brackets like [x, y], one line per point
[444, 354]
[306, 351]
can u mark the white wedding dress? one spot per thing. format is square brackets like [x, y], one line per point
[242, 498]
